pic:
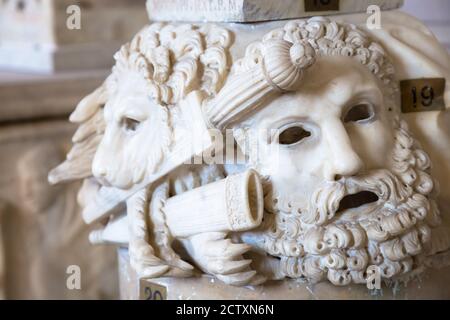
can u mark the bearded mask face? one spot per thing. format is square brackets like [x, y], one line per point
[335, 126]
[348, 187]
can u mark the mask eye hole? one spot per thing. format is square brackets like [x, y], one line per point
[293, 135]
[359, 112]
[130, 124]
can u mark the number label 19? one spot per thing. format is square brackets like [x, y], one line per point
[321, 5]
[151, 291]
[426, 94]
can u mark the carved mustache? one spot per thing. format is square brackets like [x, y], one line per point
[399, 208]
[398, 222]
[379, 185]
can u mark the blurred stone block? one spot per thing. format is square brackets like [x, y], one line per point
[37, 96]
[34, 35]
[256, 10]
[43, 236]
[2, 254]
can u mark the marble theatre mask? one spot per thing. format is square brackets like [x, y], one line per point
[313, 104]
[350, 187]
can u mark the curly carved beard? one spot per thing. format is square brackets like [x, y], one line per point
[393, 232]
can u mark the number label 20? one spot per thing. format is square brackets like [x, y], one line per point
[152, 291]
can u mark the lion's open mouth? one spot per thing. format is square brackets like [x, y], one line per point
[356, 200]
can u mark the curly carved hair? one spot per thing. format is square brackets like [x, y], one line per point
[276, 64]
[171, 58]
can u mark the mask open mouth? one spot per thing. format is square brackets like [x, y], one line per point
[356, 200]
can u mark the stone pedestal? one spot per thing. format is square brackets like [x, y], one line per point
[433, 284]
[256, 10]
[34, 35]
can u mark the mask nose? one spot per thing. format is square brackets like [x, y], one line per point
[344, 161]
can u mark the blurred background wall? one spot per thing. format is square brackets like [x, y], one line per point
[47, 65]
[45, 70]
[435, 14]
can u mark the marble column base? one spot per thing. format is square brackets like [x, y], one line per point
[433, 284]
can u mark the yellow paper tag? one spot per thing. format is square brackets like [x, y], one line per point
[426, 94]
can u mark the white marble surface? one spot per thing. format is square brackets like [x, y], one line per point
[249, 10]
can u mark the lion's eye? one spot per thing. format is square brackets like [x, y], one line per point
[130, 124]
[293, 135]
[359, 112]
